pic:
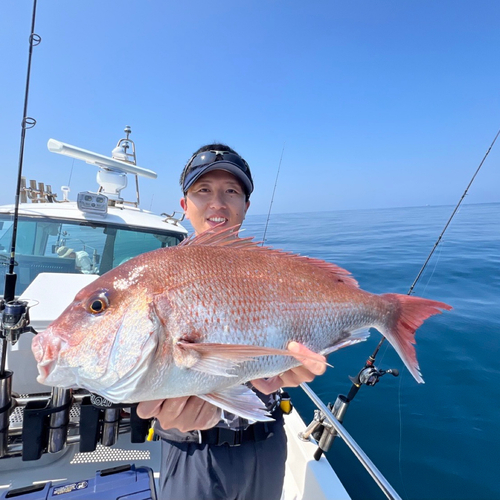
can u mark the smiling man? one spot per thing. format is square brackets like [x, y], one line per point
[215, 199]
[207, 454]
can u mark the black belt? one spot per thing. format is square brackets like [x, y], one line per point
[257, 432]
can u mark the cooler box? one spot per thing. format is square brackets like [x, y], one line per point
[121, 483]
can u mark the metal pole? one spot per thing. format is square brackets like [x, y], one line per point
[59, 421]
[355, 448]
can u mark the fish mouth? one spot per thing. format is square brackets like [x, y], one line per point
[57, 376]
[37, 348]
[45, 368]
[46, 351]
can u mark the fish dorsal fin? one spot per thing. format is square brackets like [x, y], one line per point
[220, 238]
[228, 238]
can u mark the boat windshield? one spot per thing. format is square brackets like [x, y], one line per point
[68, 246]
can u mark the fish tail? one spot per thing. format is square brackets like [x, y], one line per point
[409, 313]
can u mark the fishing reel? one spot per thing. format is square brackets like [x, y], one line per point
[324, 432]
[370, 375]
[14, 320]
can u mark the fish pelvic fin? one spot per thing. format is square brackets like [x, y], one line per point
[399, 330]
[224, 359]
[229, 238]
[241, 401]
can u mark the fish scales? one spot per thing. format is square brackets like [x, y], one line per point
[252, 307]
[215, 312]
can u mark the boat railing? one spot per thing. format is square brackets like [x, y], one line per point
[38, 192]
[334, 428]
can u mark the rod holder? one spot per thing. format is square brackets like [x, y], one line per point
[59, 420]
[35, 429]
[110, 426]
[316, 424]
[139, 427]
[5, 405]
[329, 433]
[90, 425]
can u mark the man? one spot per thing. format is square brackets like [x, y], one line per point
[206, 453]
[82, 259]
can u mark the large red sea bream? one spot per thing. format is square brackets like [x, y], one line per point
[209, 315]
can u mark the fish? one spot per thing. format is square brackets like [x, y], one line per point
[207, 316]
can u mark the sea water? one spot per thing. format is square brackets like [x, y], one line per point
[438, 440]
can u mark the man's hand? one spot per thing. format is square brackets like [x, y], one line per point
[294, 377]
[186, 414]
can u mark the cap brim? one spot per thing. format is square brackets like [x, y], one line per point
[228, 167]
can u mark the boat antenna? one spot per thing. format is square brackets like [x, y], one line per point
[272, 197]
[27, 123]
[410, 291]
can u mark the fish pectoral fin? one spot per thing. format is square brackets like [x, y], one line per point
[215, 365]
[241, 401]
[223, 359]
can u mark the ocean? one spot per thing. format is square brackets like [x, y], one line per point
[437, 440]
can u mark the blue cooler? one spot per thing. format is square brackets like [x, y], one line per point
[121, 483]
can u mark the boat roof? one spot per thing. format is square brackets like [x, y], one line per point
[117, 215]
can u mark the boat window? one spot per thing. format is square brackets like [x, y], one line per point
[63, 246]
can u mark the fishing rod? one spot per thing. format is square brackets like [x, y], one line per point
[369, 375]
[27, 123]
[438, 241]
[14, 317]
[272, 197]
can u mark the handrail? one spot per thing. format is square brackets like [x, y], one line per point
[377, 476]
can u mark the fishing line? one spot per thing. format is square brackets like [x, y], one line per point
[436, 262]
[272, 197]
[410, 291]
[401, 436]
[452, 215]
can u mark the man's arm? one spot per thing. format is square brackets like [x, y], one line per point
[191, 413]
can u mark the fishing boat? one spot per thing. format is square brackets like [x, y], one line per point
[68, 440]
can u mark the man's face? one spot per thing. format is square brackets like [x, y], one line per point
[215, 199]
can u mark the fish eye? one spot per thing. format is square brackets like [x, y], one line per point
[98, 304]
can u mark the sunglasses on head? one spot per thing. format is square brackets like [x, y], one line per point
[200, 161]
[206, 157]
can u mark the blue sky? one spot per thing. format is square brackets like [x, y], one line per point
[376, 103]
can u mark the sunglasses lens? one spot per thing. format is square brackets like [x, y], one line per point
[212, 156]
[237, 160]
[203, 159]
